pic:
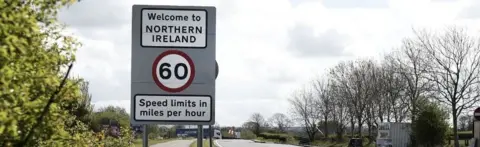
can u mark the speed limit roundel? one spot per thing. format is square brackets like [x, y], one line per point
[173, 71]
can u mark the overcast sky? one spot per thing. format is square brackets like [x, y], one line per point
[266, 49]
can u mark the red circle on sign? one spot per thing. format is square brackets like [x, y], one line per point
[476, 113]
[155, 72]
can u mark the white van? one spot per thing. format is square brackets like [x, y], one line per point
[217, 134]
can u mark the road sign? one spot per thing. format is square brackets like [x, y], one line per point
[216, 69]
[173, 71]
[173, 65]
[476, 114]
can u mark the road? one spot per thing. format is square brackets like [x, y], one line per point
[247, 143]
[174, 143]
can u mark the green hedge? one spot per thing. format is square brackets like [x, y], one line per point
[281, 137]
[462, 136]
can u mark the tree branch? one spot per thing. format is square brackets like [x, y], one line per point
[46, 108]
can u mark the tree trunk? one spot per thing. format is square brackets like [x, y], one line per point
[455, 132]
[359, 127]
[369, 132]
[325, 127]
[388, 117]
[352, 127]
[414, 103]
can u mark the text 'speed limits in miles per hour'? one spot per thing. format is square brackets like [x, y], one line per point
[179, 108]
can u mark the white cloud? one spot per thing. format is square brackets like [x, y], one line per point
[258, 67]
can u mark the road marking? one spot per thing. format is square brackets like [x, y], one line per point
[216, 143]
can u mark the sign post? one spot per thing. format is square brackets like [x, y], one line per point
[173, 66]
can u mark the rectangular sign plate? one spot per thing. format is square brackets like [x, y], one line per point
[174, 28]
[173, 108]
[173, 60]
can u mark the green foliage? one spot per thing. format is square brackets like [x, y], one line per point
[111, 115]
[33, 57]
[124, 140]
[247, 134]
[431, 127]
[153, 131]
[280, 137]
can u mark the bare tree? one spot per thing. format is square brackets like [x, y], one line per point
[454, 68]
[375, 99]
[323, 102]
[360, 77]
[463, 122]
[340, 75]
[339, 109]
[394, 90]
[304, 111]
[258, 122]
[281, 121]
[216, 125]
[411, 65]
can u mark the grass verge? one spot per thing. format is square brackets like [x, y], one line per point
[138, 142]
[206, 143]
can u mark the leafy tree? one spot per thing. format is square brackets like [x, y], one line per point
[82, 109]
[247, 134]
[258, 123]
[153, 131]
[111, 115]
[35, 91]
[430, 128]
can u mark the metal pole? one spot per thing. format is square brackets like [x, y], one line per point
[145, 136]
[200, 136]
[210, 132]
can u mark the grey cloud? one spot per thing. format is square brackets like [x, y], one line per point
[281, 77]
[96, 14]
[355, 3]
[102, 86]
[304, 43]
[240, 89]
[277, 75]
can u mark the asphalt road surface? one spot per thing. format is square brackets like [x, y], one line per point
[174, 143]
[247, 143]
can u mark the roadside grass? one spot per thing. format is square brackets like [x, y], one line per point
[461, 142]
[339, 144]
[206, 143]
[330, 144]
[465, 132]
[267, 140]
[316, 143]
[138, 142]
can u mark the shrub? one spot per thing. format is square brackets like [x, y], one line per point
[283, 138]
[431, 127]
[247, 134]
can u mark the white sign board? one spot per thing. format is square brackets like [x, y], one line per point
[173, 66]
[172, 107]
[174, 28]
